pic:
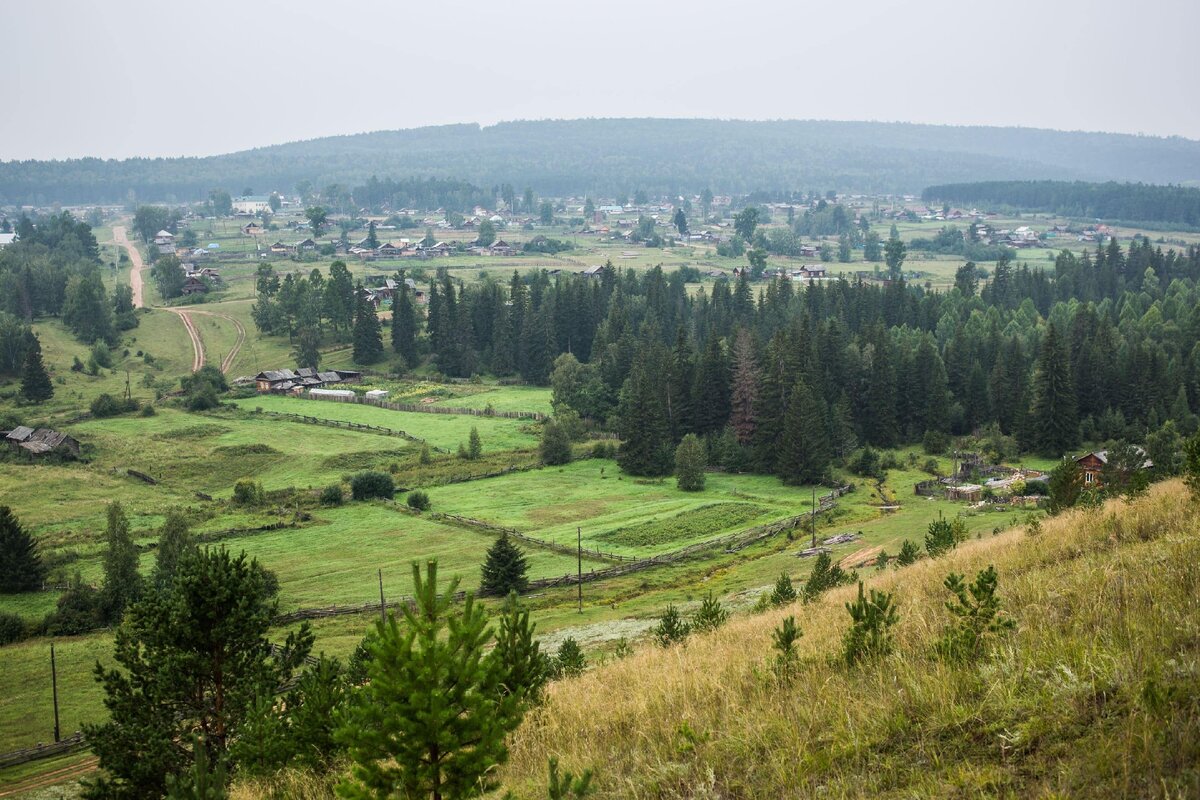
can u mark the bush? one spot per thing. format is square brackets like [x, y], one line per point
[671, 627]
[12, 628]
[935, 443]
[148, 410]
[872, 618]
[106, 405]
[555, 447]
[331, 495]
[784, 592]
[248, 493]
[372, 483]
[418, 500]
[101, 355]
[603, 449]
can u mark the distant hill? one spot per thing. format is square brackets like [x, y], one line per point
[609, 156]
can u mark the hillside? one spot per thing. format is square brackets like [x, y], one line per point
[1119, 202]
[612, 156]
[1096, 693]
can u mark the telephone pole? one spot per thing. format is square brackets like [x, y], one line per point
[54, 689]
[579, 564]
[382, 604]
[814, 517]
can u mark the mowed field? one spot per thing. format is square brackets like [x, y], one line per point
[445, 431]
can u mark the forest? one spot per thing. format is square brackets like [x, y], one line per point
[1178, 206]
[610, 157]
[786, 381]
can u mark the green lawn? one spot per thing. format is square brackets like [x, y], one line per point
[446, 431]
[505, 398]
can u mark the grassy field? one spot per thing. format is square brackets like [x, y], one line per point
[446, 431]
[505, 398]
[1087, 697]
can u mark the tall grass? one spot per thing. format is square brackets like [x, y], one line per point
[1097, 691]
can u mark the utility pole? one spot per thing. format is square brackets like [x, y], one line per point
[579, 564]
[814, 517]
[54, 689]
[382, 604]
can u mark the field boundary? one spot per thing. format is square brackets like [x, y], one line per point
[75, 741]
[356, 426]
[418, 408]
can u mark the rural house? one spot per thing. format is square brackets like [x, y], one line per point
[282, 381]
[1093, 464]
[251, 205]
[41, 442]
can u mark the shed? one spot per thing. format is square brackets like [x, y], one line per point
[340, 393]
[377, 394]
[970, 492]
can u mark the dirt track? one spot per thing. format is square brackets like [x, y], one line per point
[197, 344]
[52, 778]
[135, 274]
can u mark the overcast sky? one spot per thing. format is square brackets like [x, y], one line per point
[135, 77]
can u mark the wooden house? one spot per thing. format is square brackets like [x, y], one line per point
[193, 284]
[1093, 464]
[279, 249]
[42, 442]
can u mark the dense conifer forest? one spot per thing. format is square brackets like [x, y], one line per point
[1118, 202]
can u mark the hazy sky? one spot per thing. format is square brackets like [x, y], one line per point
[134, 77]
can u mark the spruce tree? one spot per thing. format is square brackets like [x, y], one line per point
[432, 719]
[21, 567]
[518, 655]
[368, 340]
[746, 379]
[504, 570]
[474, 445]
[1053, 425]
[35, 381]
[690, 459]
[644, 428]
[804, 451]
[710, 399]
[555, 447]
[404, 325]
[122, 583]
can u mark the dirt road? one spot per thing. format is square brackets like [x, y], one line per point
[54, 777]
[197, 345]
[227, 362]
[135, 274]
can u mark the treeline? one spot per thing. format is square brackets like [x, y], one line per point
[661, 157]
[1115, 202]
[420, 193]
[786, 381]
[53, 269]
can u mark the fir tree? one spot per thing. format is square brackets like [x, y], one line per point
[518, 654]
[474, 445]
[804, 450]
[746, 379]
[569, 660]
[35, 381]
[690, 461]
[368, 338]
[431, 720]
[308, 348]
[711, 395]
[504, 570]
[1053, 426]
[21, 567]
[404, 325]
[645, 444]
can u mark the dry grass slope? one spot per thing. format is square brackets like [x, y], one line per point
[1096, 693]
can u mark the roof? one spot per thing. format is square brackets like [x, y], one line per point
[276, 375]
[7, 238]
[252, 198]
[19, 434]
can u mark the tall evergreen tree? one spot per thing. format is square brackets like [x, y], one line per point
[746, 379]
[645, 432]
[404, 325]
[1053, 426]
[35, 381]
[690, 460]
[21, 567]
[804, 450]
[711, 396]
[174, 542]
[368, 337]
[504, 570]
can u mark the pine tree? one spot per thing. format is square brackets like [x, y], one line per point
[518, 654]
[190, 659]
[368, 338]
[804, 450]
[710, 616]
[1053, 426]
[671, 627]
[711, 395]
[569, 660]
[21, 567]
[645, 444]
[872, 619]
[474, 445]
[784, 592]
[431, 720]
[174, 542]
[825, 575]
[35, 381]
[404, 325]
[690, 461]
[308, 348]
[504, 570]
[122, 583]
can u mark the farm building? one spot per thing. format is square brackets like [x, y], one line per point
[279, 249]
[41, 442]
[193, 284]
[970, 492]
[253, 229]
[7, 238]
[280, 381]
[251, 205]
[377, 394]
[1092, 464]
[339, 393]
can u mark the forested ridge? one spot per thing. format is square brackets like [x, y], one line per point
[1111, 201]
[788, 381]
[608, 157]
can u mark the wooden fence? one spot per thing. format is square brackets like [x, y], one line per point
[69, 744]
[487, 527]
[355, 426]
[419, 408]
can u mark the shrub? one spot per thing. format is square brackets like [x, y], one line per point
[418, 500]
[690, 458]
[825, 575]
[784, 641]
[372, 483]
[976, 609]
[671, 628]
[944, 535]
[570, 659]
[555, 448]
[101, 355]
[871, 621]
[105, 405]
[331, 495]
[710, 616]
[147, 410]
[908, 554]
[248, 493]
[12, 628]
[784, 592]
[935, 443]
[603, 449]
[424, 457]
